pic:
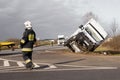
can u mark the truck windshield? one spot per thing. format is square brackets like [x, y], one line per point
[93, 33]
[61, 38]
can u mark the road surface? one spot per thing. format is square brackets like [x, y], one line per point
[53, 63]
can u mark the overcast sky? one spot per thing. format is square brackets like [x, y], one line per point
[52, 17]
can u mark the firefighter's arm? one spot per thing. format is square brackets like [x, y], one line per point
[23, 40]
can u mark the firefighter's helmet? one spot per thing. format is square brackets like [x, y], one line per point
[28, 25]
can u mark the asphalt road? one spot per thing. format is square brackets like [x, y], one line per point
[53, 63]
[63, 75]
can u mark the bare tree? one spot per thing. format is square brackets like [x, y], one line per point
[114, 28]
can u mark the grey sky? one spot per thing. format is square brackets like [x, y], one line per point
[51, 17]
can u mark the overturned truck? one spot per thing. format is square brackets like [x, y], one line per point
[87, 38]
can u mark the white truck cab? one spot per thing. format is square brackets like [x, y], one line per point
[87, 38]
[61, 40]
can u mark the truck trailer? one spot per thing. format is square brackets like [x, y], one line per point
[87, 37]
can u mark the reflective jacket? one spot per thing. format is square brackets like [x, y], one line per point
[28, 40]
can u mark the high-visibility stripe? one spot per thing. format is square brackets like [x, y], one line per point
[26, 49]
[22, 41]
[31, 37]
[27, 61]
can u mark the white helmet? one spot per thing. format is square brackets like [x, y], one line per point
[28, 25]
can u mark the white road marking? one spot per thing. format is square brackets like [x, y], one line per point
[20, 64]
[51, 67]
[36, 65]
[87, 66]
[54, 70]
[78, 68]
[6, 63]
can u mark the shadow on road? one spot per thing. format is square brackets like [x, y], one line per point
[70, 61]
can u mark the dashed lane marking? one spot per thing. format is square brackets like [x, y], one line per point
[6, 63]
[20, 64]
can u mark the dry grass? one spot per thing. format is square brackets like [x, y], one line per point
[113, 44]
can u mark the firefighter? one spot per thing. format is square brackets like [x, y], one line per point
[26, 43]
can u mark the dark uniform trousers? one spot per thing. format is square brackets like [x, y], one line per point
[27, 56]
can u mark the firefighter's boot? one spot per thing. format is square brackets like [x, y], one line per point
[29, 64]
